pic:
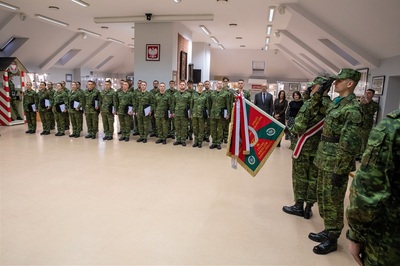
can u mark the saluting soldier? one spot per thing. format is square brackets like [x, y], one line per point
[221, 106]
[306, 129]
[199, 111]
[30, 103]
[124, 107]
[60, 101]
[162, 112]
[44, 108]
[335, 157]
[180, 112]
[107, 108]
[92, 109]
[144, 110]
[75, 107]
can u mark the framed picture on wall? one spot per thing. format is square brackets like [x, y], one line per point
[183, 65]
[68, 77]
[377, 84]
[153, 52]
[362, 84]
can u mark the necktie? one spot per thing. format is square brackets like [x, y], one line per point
[263, 97]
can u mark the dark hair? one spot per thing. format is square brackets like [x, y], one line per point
[371, 90]
[241, 80]
[296, 93]
[279, 94]
[225, 78]
[190, 81]
[172, 81]
[108, 81]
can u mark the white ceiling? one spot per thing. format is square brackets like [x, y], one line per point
[364, 29]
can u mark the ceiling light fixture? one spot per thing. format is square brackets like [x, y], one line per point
[81, 3]
[55, 8]
[8, 6]
[177, 1]
[51, 20]
[269, 29]
[267, 40]
[266, 47]
[239, 38]
[7, 43]
[89, 32]
[205, 29]
[271, 13]
[104, 27]
[221, 46]
[233, 25]
[214, 39]
[131, 45]
[115, 40]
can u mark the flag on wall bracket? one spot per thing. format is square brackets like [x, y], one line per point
[253, 135]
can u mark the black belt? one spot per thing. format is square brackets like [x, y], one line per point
[330, 139]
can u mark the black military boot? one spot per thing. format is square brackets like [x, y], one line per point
[308, 211]
[296, 209]
[318, 237]
[328, 245]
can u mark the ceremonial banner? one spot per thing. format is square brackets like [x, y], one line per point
[253, 135]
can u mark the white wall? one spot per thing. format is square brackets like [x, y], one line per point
[202, 58]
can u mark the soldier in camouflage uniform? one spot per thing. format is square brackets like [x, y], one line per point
[225, 87]
[200, 109]
[60, 98]
[304, 172]
[124, 99]
[241, 90]
[51, 91]
[44, 111]
[180, 109]
[335, 157]
[144, 99]
[14, 97]
[107, 104]
[374, 210]
[67, 92]
[154, 91]
[30, 103]
[190, 90]
[75, 105]
[171, 91]
[220, 105]
[162, 106]
[368, 108]
[207, 91]
[92, 109]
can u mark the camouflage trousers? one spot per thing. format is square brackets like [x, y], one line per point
[60, 120]
[31, 120]
[181, 128]
[52, 120]
[67, 122]
[207, 128]
[331, 201]
[154, 126]
[198, 129]
[14, 109]
[108, 123]
[76, 118]
[125, 125]
[172, 127]
[162, 127]
[364, 133]
[92, 123]
[304, 178]
[45, 117]
[217, 130]
[143, 125]
[190, 128]
[381, 245]
[226, 129]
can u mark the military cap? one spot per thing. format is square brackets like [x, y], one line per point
[348, 73]
[318, 80]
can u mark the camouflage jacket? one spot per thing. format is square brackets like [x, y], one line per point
[142, 101]
[368, 111]
[305, 119]
[42, 96]
[220, 101]
[200, 105]
[181, 104]
[375, 190]
[343, 123]
[162, 104]
[76, 96]
[91, 97]
[60, 97]
[171, 91]
[107, 100]
[30, 97]
[122, 102]
[246, 95]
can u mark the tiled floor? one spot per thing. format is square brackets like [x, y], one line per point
[92, 202]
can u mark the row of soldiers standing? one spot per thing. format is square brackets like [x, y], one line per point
[176, 113]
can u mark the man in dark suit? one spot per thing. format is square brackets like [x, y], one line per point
[264, 100]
